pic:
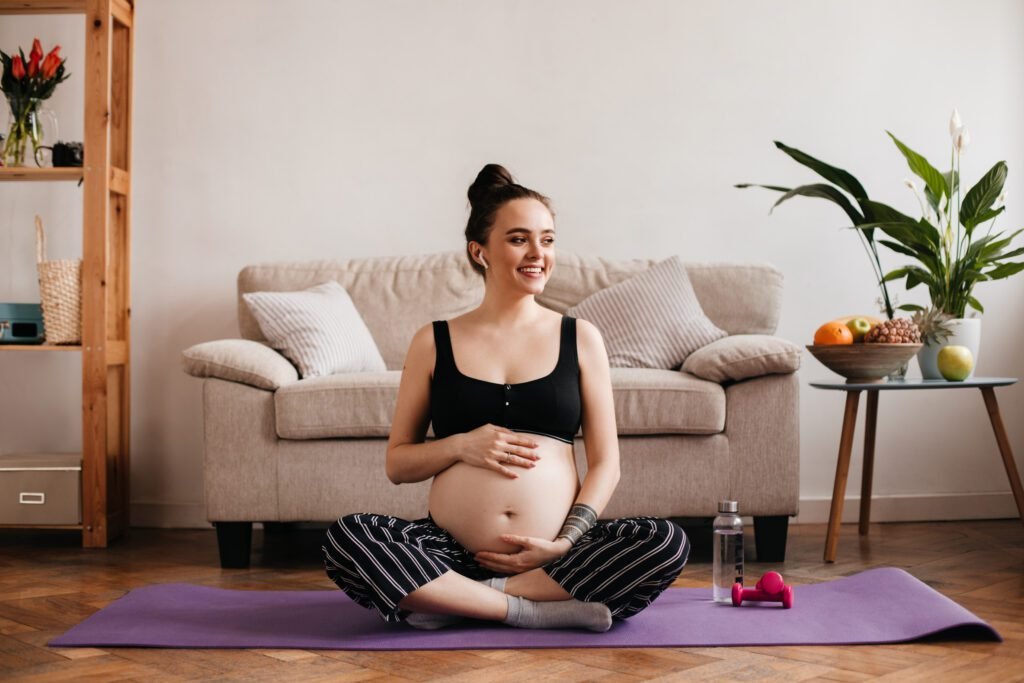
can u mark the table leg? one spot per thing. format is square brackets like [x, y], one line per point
[989, 394]
[870, 422]
[835, 515]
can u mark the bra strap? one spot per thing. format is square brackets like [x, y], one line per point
[443, 345]
[568, 351]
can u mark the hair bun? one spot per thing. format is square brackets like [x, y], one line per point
[490, 178]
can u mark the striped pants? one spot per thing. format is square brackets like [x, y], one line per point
[625, 563]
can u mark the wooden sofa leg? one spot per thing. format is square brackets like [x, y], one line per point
[234, 541]
[770, 537]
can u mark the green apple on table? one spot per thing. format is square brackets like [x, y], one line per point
[955, 362]
[858, 327]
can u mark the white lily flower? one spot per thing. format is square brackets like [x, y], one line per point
[962, 139]
[909, 183]
[955, 124]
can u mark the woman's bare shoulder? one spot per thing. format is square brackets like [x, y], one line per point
[589, 342]
[421, 348]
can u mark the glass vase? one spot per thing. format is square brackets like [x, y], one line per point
[899, 374]
[29, 126]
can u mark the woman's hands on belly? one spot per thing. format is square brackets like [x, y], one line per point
[499, 449]
[476, 505]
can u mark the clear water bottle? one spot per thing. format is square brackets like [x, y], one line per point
[728, 549]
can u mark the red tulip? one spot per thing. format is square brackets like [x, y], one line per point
[51, 63]
[35, 57]
[17, 68]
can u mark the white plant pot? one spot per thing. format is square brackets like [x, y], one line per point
[966, 332]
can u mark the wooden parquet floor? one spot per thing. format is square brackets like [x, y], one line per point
[48, 583]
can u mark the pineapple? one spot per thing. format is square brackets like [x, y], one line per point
[895, 331]
[932, 324]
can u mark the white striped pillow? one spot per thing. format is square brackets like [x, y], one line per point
[651, 320]
[318, 329]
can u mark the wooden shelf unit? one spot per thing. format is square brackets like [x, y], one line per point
[106, 251]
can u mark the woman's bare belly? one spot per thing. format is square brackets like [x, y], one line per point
[477, 505]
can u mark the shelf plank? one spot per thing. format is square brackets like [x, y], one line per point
[77, 527]
[42, 6]
[40, 347]
[28, 173]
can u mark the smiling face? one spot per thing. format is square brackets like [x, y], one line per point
[520, 249]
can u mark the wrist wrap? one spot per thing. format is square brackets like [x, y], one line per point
[580, 519]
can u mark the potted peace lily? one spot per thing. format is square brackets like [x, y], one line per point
[953, 248]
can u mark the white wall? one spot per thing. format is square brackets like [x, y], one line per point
[267, 131]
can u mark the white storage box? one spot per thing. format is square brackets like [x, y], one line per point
[41, 488]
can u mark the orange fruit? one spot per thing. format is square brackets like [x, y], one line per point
[833, 332]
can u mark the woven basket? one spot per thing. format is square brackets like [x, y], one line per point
[60, 292]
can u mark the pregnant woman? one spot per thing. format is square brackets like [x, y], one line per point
[510, 535]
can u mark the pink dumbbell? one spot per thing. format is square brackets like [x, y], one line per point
[771, 588]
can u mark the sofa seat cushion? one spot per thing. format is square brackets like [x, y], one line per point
[357, 404]
[362, 404]
[650, 401]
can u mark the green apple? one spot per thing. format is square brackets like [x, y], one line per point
[955, 362]
[859, 327]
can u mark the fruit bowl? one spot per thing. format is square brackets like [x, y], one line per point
[863, 362]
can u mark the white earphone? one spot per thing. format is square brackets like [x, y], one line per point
[483, 261]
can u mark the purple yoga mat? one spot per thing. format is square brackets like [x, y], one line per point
[875, 606]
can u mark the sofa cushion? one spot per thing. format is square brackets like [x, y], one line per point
[239, 360]
[742, 356]
[649, 401]
[318, 329]
[362, 404]
[651, 320]
[740, 298]
[349, 404]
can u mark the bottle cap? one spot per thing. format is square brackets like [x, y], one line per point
[728, 506]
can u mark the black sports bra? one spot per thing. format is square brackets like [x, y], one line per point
[549, 406]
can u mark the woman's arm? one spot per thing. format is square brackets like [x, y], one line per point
[409, 459]
[600, 435]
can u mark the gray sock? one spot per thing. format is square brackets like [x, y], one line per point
[572, 613]
[495, 582]
[432, 622]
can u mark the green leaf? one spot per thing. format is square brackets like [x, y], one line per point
[910, 307]
[899, 248]
[922, 169]
[975, 304]
[982, 196]
[991, 250]
[823, 191]
[986, 216]
[1005, 270]
[896, 274]
[924, 237]
[835, 175]
[1009, 254]
[947, 178]
[767, 187]
[883, 213]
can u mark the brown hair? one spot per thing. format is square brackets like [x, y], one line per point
[493, 188]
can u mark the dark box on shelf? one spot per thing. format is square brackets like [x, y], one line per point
[21, 324]
[41, 488]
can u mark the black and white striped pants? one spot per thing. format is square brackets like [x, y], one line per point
[625, 563]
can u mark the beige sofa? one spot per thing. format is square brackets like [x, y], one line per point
[280, 449]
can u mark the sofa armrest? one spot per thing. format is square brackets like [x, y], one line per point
[240, 360]
[742, 356]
